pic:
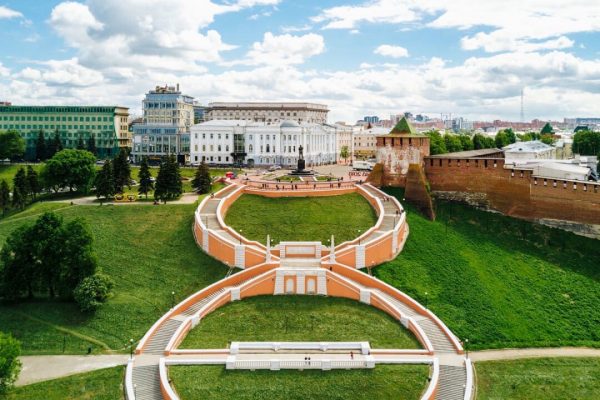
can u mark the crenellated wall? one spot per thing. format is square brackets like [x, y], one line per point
[514, 192]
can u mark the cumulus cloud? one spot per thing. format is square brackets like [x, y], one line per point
[7, 13]
[512, 25]
[284, 49]
[387, 50]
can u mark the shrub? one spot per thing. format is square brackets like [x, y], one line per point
[93, 291]
[10, 366]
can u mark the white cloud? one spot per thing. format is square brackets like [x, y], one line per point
[502, 25]
[284, 49]
[387, 50]
[7, 13]
[74, 23]
[4, 71]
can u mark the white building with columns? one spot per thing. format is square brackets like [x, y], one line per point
[235, 142]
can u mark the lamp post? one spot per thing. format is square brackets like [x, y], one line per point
[359, 231]
[240, 236]
[426, 299]
[172, 299]
[467, 347]
[130, 349]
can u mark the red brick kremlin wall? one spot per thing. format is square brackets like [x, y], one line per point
[516, 192]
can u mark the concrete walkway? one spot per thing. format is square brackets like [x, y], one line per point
[515, 354]
[43, 368]
[186, 198]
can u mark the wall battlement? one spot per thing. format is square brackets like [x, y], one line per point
[516, 192]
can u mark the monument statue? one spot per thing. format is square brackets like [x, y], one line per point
[301, 153]
[301, 162]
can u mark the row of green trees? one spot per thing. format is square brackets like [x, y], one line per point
[46, 148]
[26, 186]
[12, 145]
[52, 258]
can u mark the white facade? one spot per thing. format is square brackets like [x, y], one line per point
[269, 113]
[258, 143]
[534, 150]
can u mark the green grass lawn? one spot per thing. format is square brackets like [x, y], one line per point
[546, 378]
[499, 281]
[301, 218]
[383, 382]
[148, 251]
[8, 171]
[299, 318]
[104, 384]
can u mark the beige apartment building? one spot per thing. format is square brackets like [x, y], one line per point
[268, 112]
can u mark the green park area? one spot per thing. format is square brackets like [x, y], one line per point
[498, 281]
[301, 218]
[383, 382]
[148, 251]
[104, 384]
[299, 318]
[545, 378]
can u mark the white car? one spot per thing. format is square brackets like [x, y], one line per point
[274, 168]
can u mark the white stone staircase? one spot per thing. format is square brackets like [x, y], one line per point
[452, 382]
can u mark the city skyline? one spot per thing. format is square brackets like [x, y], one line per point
[361, 58]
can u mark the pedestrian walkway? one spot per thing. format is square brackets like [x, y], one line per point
[515, 354]
[43, 368]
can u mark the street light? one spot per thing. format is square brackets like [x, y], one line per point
[467, 347]
[240, 236]
[172, 299]
[359, 231]
[130, 349]
[426, 299]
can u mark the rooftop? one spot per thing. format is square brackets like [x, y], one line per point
[469, 154]
[532, 146]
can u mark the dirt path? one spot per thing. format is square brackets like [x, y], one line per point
[514, 354]
[43, 368]
[186, 198]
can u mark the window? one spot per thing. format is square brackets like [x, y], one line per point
[219, 148]
[250, 148]
[203, 147]
[227, 148]
[204, 136]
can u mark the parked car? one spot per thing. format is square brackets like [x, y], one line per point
[274, 168]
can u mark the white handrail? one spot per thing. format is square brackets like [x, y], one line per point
[469, 384]
[433, 383]
[164, 380]
[129, 389]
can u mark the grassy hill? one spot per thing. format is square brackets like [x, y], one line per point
[384, 382]
[499, 281]
[301, 218]
[545, 378]
[149, 251]
[297, 319]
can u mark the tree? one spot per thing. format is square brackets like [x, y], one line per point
[586, 143]
[20, 189]
[467, 143]
[80, 143]
[91, 145]
[437, 145]
[345, 153]
[501, 140]
[202, 182]
[512, 138]
[121, 171]
[12, 145]
[452, 143]
[4, 196]
[70, 168]
[93, 291]
[547, 139]
[54, 146]
[33, 182]
[18, 265]
[45, 248]
[146, 184]
[10, 366]
[168, 182]
[478, 141]
[104, 182]
[40, 146]
[77, 258]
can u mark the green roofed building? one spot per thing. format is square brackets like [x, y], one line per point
[107, 124]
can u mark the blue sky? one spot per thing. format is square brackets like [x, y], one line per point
[373, 57]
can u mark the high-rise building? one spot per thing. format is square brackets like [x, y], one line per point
[165, 130]
[106, 124]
